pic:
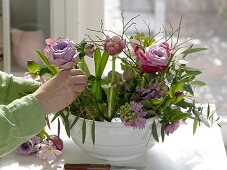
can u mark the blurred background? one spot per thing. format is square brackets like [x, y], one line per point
[25, 24]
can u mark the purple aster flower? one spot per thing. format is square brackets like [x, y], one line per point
[173, 126]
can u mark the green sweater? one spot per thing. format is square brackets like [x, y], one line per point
[21, 116]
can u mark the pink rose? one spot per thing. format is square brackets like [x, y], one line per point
[61, 53]
[166, 46]
[155, 58]
[173, 126]
[114, 45]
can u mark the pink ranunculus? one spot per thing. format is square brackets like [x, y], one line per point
[114, 45]
[166, 46]
[155, 58]
[173, 126]
[61, 53]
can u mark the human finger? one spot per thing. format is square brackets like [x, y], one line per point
[74, 72]
[79, 79]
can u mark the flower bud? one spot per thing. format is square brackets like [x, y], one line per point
[89, 50]
[57, 142]
[114, 45]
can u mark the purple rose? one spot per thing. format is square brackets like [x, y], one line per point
[173, 126]
[28, 147]
[61, 53]
[114, 45]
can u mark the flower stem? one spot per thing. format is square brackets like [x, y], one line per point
[110, 100]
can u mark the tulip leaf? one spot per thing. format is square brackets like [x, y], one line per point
[33, 67]
[84, 67]
[193, 50]
[93, 131]
[104, 60]
[97, 58]
[83, 131]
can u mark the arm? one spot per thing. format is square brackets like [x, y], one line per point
[19, 121]
[24, 118]
[12, 88]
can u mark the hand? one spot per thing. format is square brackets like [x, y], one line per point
[61, 90]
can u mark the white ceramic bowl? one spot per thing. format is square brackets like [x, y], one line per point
[113, 141]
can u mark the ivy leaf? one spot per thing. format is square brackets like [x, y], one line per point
[33, 67]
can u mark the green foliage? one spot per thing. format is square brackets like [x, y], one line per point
[33, 67]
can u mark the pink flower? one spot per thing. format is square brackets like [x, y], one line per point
[166, 46]
[155, 58]
[61, 53]
[173, 126]
[114, 45]
[57, 142]
[89, 50]
[47, 151]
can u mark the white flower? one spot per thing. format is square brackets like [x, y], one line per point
[47, 151]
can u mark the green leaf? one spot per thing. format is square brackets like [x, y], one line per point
[154, 132]
[43, 57]
[179, 115]
[53, 69]
[83, 131]
[33, 67]
[74, 122]
[163, 131]
[104, 60]
[97, 58]
[193, 50]
[195, 124]
[156, 101]
[56, 115]
[198, 83]
[180, 84]
[84, 67]
[192, 71]
[43, 71]
[93, 131]
[208, 110]
[59, 127]
[67, 129]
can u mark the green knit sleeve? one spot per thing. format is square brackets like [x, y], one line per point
[12, 88]
[21, 115]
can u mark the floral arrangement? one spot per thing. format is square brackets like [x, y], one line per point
[154, 81]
